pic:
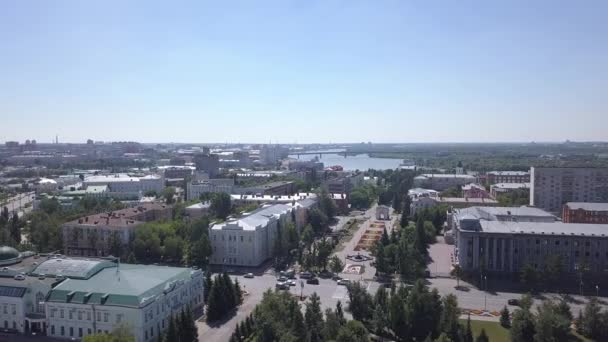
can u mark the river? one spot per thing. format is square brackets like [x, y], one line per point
[359, 162]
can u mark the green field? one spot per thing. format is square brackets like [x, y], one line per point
[494, 330]
[497, 333]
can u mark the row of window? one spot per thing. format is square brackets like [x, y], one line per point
[62, 331]
[84, 315]
[13, 309]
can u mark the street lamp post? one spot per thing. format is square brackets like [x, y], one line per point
[597, 290]
[485, 294]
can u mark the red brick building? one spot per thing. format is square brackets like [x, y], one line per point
[583, 212]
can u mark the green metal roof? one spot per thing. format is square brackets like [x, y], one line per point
[71, 268]
[128, 285]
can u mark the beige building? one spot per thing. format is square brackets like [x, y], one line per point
[93, 235]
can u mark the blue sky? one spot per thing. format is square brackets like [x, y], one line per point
[304, 71]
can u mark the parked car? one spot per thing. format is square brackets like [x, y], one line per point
[292, 282]
[313, 281]
[344, 282]
[282, 279]
[282, 285]
[248, 275]
[291, 274]
[513, 302]
[325, 274]
[305, 275]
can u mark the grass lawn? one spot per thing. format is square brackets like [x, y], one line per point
[494, 330]
[497, 333]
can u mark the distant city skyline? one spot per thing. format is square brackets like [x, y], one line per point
[304, 71]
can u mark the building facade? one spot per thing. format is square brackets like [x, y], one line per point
[551, 188]
[103, 295]
[248, 240]
[127, 186]
[493, 177]
[440, 182]
[581, 212]
[195, 189]
[505, 188]
[209, 163]
[94, 235]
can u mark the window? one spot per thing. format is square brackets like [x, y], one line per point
[80, 315]
[5, 306]
[14, 309]
[89, 331]
[98, 316]
[14, 325]
[88, 316]
[71, 331]
[106, 316]
[61, 314]
[52, 330]
[70, 314]
[79, 332]
[62, 330]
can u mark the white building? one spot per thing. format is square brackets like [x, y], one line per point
[21, 297]
[195, 189]
[551, 188]
[248, 240]
[440, 181]
[102, 295]
[127, 185]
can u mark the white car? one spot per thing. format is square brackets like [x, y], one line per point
[282, 285]
[292, 282]
[344, 282]
[248, 275]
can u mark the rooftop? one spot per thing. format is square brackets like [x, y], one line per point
[127, 285]
[466, 200]
[444, 175]
[273, 198]
[71, 268]
[544, 228]
[509, 173]
[587, 206]
[495, 213]
[119, 218]
[511, 185]
[117, 178]
[256, 219]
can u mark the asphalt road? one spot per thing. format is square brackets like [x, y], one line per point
[18, 202]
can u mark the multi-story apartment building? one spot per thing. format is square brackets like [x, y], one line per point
[493, 177]
[551, 188]
[581, 212]
[440, 181]
[248, 240]
[209, 163]
[94, 235]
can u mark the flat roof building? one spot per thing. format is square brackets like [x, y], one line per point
[440, 181]
[583, 212]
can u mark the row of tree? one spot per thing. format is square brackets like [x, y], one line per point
[405, 251]
[278, 317]
[182, 328]
[222, 296]
[174, 241]
[409, 313]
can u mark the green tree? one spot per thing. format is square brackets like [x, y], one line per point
[353, 331]
[313, 318]
[450, 315]
[360, 305]
[483, 337]
[335, 264]
[529, 276]
[458, 273]
[505, 317]
[221, 205]
[200, 251]
[550, 325]
[522, 326]
[238, 293]
[332, 325]
[468, 333]
[591, 322]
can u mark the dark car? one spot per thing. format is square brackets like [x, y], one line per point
[305, 275]
[513, 302]
[313, 281]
